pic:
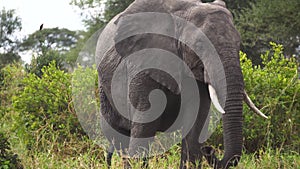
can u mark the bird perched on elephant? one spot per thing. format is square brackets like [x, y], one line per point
[185, 49]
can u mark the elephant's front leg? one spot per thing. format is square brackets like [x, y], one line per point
[191, 155]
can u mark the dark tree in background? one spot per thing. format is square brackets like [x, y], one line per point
[61, 40]
[47, 45]
[269, 20]
[9, 42]
[113, 7]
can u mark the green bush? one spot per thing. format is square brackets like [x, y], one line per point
[274, 87]
[44, 107]
[8, 160]
[49, 94]
[11, 83]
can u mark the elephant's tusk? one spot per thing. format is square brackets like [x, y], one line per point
[252, 106]
[214, 99]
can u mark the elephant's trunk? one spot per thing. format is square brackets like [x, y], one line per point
[232, 119]
[232, 128]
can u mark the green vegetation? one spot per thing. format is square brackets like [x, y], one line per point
[39, 126]
[275, 87]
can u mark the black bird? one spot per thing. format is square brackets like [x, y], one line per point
[41, 27]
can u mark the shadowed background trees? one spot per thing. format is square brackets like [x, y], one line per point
[269, 20]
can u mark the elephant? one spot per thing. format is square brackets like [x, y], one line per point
[216, 23]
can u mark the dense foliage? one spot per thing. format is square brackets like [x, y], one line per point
[269, 20]
[44, 106]
[38, 113]
[10, 84]
[275, 87]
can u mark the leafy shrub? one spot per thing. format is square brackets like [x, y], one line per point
[8, 160]
[274, 87]
[49, 94]
[11, 82]
[44, 107]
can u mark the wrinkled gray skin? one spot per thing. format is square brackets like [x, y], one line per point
[216, 22]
